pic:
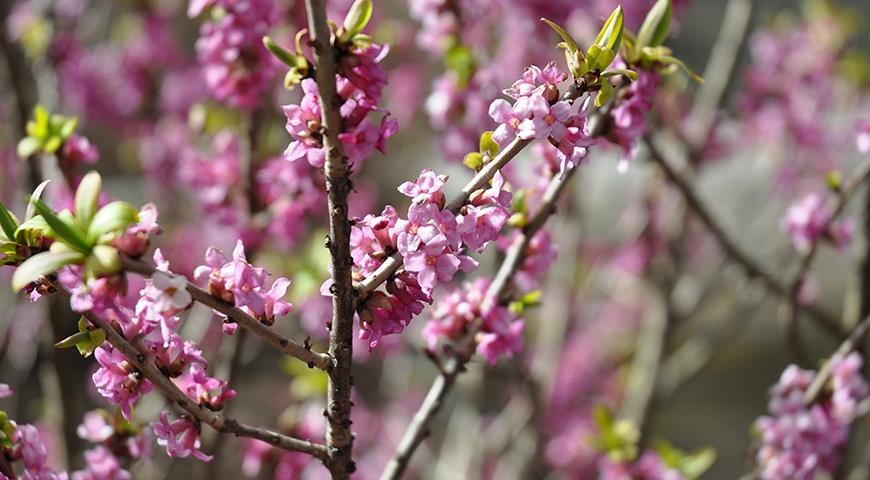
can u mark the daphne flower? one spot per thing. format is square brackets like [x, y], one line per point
[543, 120]
[180, 437]
[118, 381]
[173, 296]
[101, 465]
[862, 137]
[5, 391]
[94, 427]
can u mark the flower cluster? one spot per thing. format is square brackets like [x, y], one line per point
[180, 437]
[30, 449]
[117, 442]
[360, 82]
[432, 241]
[537, 113]
[501, 332]
[215, 176]
[629, 115]
[809, 220]
[237, 67]
[238, 282]
[800, 441]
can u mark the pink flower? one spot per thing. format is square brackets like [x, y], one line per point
[173, 296]
[509, 118]
[101, 465]
[94, 427]
[542, 120]
[77, 150]
[180, 437]
[118, 381]
[426, 189]
[5, 391]
[809, 220]
[207, 391]
[135, 240]
[541, 81]
[862, 136]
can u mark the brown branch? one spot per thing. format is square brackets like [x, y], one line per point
[849, 345]
[339, 437]
[729, 245]
[146, 366]
[268, 335]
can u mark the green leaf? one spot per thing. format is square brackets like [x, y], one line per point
[570, 44]
[694, 465]
[112, 217]
[31, 230]
[670, 60]
[68, 127]
[473, 160]
[66, 230]
[281, 53]
[36, 195]
[605, 94]
[488, 145]
[613, 72]
[7, 222]
[73, 340]
[655, 26]
[88, 197]
[53, 144]
[357, 17]
[610, 35]
[27, 147]
[103, 260]
[42, 264]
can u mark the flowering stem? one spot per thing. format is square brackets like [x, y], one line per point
[149, 370]
[339, 437]
[858, 178]
[268, 335]
[730, 247]
[851, 343]
[498, 290]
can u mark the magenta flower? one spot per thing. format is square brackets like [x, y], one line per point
[809, 220]
[862, 136]
[5, 391]
[180, 437]
[303, 125]
[94, 427]
[118, 381]
[502, 335]
[537, 80]
[77, 150]
[508, 118]
[542, 120]
[135, 240]
[31, 450]
[426, 189]
[206, 391]
[101, 464]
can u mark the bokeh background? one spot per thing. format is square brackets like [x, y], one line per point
[727, 350]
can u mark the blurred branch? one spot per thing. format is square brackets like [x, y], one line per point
[844, 194]
[752, 269]
[339, 437]
[719, 71]
[268, 335]
[850, 344]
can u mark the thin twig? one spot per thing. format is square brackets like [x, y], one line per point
[850, 344]
[268, 335]
[339, 437]
[145, 365]
[730, 246]
[858, 178]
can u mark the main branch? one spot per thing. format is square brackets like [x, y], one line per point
[339, 437]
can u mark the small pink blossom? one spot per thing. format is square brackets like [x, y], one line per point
[180, 437]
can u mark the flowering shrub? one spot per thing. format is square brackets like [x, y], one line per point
[558, 326]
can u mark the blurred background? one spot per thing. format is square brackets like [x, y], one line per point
[631, 255]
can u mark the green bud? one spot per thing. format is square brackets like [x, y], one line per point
[103, 260]
[655, 26]
[488, 145]
[357, 17]
[281, 53]
[474, 161]
[87, 197]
